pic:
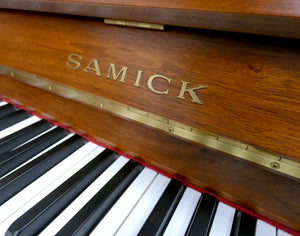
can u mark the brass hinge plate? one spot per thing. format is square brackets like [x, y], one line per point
[263, 158]
[134, 24]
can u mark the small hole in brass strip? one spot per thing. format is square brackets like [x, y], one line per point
[171, 129]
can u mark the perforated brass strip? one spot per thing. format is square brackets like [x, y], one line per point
[241, 150]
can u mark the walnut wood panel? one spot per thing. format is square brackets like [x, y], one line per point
[272, 17]
[250, 187]
[253, 82]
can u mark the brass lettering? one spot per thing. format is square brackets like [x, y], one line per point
[150, 83]
[93, 66]
[112, 70]
[191, 92]
[74, 61]
[138, 78]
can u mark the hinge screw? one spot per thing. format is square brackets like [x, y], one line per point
[275, 165]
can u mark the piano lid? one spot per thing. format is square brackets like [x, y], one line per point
[275, 17]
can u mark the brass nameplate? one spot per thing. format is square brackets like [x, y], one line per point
[238, 149]
[74, 63]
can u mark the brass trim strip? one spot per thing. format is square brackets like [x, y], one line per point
[238, 149]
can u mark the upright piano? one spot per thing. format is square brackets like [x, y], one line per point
[104, 101]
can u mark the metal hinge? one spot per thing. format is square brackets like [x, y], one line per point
[134, 24]
[264, 158]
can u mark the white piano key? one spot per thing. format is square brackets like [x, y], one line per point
[29, 196]
[118, 213]
[20, 125]
[84, 197]
[263, 228]
[282, 233]
[223, 220]
[2, 103]
[140, 213]
[21, 198]
[183, 213]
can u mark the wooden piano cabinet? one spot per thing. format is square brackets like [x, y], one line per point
[250, 94]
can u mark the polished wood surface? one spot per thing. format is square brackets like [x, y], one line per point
[271, 17]
[252, 96]
[253, 83]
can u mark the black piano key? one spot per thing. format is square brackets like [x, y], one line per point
[40, 215]
[6, 110]
[243, 225]
[20, 178]
[10, 160]
[203, 216]
[88, 217]
[15, 139]
[13, 118]
[160, 216]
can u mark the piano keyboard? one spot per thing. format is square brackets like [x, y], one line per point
[54, 182]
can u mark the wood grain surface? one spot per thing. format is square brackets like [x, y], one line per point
[252, 96]
[253, 82]
[271, 17]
